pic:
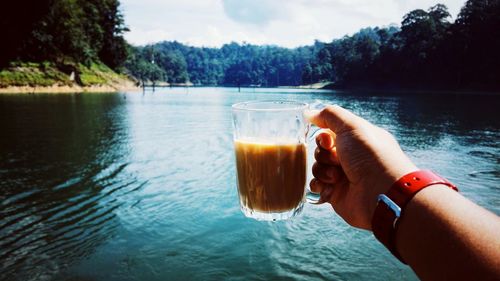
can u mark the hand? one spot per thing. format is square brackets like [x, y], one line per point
[354, 164]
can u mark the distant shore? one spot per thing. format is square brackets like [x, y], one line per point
[315, 86]
[388, 91]
[123, 86]
[128, 85]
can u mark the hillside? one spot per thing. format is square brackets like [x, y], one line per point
[47, 77]
[63, 45]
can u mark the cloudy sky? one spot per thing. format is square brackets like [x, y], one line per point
[287, 23]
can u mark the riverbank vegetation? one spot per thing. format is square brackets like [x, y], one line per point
[45, 74]
[231, 65]
[67, 40]
[62, 42]
[428, 51]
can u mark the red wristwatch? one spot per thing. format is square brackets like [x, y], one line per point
[391, 205]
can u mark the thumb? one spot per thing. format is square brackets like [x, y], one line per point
[333, 117]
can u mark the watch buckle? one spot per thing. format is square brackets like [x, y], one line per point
[392, 206]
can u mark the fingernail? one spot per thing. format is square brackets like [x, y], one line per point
[310, 113]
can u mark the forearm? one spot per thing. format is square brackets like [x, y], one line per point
[444, 236]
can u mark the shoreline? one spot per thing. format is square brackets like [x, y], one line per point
[131, 86]
[69, 89]
[314, 86]
[47, 77]
[388, 92]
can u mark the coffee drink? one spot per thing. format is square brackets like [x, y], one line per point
[271, 177]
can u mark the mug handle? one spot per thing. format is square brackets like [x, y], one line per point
[312, 132]
[312, 197]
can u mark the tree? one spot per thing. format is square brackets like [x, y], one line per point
[477, 36]
[18, 29]
[139, 65]
[65, 31]
[113, 49]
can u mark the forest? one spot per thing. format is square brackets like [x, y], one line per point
[428, 50]
[60, 31]
[231, 65]
[62, 43]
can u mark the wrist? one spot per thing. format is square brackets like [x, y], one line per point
[392, 204]
[389, 176]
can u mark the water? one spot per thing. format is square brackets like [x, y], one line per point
[142, 187]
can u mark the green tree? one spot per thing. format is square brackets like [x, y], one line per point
[113, 51]
[66, 31]
[141, 67]
[476, 37]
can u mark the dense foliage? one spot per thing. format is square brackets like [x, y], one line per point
[63, 31]
[428, 51]
[232, 64]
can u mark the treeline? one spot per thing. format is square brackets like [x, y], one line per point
[232, 64]
[427, 52]
[65, 32]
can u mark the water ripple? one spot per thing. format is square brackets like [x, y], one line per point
[98, 187]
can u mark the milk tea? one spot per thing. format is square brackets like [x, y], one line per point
[271, 177]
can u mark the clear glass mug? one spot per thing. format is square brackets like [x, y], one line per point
[270, 142]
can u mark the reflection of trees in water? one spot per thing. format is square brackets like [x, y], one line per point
[424, 119]
[61, 171]
[456, 135]
[432, 117]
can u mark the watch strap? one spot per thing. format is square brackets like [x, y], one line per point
[391, 205]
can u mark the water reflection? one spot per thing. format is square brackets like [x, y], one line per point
[61, 170]
[455, 135]
[99, 187]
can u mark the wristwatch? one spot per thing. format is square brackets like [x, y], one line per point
[391, 205]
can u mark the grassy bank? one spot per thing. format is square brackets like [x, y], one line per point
[49, 77]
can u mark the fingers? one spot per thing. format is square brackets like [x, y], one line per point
[333, 117]
[318, 186]
[326, 140]
[326, 153]
[327, 173]
[326, 157]
[325, 190]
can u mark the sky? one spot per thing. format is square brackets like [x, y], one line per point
[287, 23]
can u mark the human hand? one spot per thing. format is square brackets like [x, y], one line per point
[354, 164]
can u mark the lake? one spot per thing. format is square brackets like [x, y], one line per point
[133, 186]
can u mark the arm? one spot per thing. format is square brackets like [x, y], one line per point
[444, 236]
[441, 235]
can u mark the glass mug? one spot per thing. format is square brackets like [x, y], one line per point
[270, 142]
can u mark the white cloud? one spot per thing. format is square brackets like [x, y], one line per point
[287, 23]
[259, 12]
